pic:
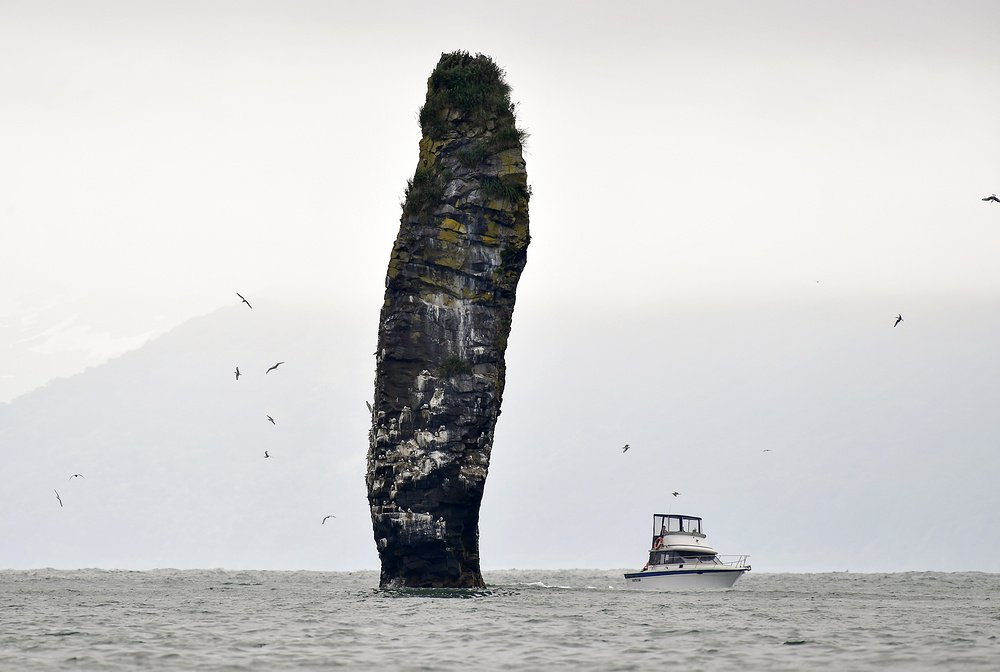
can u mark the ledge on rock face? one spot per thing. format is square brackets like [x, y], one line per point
[449, 299]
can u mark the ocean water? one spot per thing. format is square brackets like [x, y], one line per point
[526, 620]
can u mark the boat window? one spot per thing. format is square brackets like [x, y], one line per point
[692, 525]
[673, 524]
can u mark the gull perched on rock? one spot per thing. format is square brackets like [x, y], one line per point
[992, 197]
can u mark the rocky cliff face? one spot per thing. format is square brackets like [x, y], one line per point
[443, 330]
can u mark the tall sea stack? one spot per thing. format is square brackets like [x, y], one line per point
[449, 299]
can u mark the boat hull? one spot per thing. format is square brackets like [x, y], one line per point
[684, 579]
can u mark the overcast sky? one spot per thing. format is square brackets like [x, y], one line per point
[156, 158]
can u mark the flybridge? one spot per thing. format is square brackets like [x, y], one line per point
[668, 523]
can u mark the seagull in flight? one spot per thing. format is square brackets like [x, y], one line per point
[992, 197]
[675, 493]
[767, 450]
[58, 497]
[369, 405]
[899, 318]
[237, 373]
[625, 448]
[75, 476]
[324, 519]
[266, 455]
[273, 368]
[244, 301]
[271, 419]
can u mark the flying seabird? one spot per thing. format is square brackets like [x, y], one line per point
[767, 450]
[992, 197]
[675, 493]
[899, 318]
[273, 368]
[369, 405]
[244, 300]
[266, 455]
[75, 475]
[324, 520]
[58, 497]
[625, 448]
[271, 419]
[237, 373]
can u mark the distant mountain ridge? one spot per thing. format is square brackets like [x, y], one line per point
[171, 445]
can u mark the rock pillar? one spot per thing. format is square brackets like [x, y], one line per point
[449, 299]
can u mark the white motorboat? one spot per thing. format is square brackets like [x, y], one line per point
[681, 559]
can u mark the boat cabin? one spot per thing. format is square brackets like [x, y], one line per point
[678, 539]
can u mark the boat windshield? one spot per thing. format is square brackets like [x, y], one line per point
[675, 558]
[667, 523]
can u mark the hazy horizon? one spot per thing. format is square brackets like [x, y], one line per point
[171, 445]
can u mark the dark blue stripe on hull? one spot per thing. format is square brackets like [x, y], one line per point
[684, 571]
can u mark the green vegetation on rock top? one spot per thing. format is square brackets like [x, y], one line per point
[473, 85]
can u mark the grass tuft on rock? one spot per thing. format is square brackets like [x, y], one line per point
[423, 191]
[495, 188]
[453, 365]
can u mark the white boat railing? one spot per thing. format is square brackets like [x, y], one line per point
[737, 561]
[728, 561]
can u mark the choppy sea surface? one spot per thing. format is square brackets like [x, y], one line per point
[526, 620]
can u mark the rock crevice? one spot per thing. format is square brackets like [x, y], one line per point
[449, 300]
